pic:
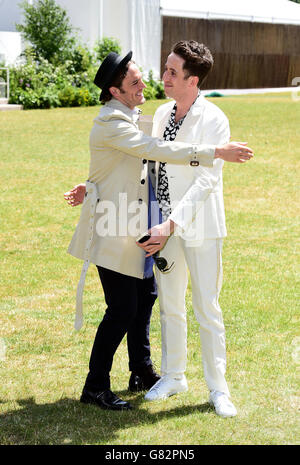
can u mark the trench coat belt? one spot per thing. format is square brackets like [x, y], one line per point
[92, 196]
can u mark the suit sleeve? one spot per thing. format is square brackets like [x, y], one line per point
[125, 137]
[206, 180]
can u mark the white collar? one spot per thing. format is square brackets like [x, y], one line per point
[117, 105]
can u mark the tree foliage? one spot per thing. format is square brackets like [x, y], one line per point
[47, 27]
[106, 45]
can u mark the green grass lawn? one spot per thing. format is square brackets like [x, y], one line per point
[44, 362]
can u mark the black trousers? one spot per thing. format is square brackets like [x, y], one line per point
[129, 306]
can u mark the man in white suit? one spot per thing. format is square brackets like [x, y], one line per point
[200, 228]
[119, 153]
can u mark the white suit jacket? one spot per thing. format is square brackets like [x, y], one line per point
[196, 194]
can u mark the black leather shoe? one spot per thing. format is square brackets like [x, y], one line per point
[105, 399]
[143, 379]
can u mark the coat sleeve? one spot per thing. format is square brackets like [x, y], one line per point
[125, 137]
[206, 180]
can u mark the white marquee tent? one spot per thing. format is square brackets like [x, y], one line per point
[267, 11]
[138, 23]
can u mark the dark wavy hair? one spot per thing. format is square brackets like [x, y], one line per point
[116, 82]
[198, 60]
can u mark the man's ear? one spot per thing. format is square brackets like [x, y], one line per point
[194, 81]
[114, 91]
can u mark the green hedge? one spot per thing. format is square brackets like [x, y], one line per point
[40, 84]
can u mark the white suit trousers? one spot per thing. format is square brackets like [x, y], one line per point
[205, 267]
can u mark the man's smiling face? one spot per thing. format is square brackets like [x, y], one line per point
[131, 91]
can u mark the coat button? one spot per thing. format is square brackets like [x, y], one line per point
[140, 201]
[143, 181]
[144, 161]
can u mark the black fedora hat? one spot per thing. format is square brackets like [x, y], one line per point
[108, 69]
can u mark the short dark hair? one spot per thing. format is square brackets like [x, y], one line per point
[198, 60]
[116, 82]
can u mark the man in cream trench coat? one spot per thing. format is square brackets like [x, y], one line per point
[197, 243]
[118, 178]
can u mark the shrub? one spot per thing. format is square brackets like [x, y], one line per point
[154, 89]
[106, 45]
[149, 92]
[40, 84]
[84, 97]
[63, 80]
[67, 96]
[80, 59]
[72, 96]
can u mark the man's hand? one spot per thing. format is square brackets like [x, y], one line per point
[235, 152]
[75, 196]
[159, 236]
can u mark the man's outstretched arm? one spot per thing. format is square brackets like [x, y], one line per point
[233, 152]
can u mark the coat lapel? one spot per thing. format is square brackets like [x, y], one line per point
[189, 130]
[159, 133]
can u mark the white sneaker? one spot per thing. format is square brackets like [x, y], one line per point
[223, 406]
[165, 387]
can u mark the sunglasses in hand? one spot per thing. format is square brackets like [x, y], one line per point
[160, 262]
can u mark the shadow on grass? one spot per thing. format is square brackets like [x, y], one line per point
[67, 421]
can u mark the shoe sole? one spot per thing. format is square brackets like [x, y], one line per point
[166, 396]
[219, 414]
[103, 407]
